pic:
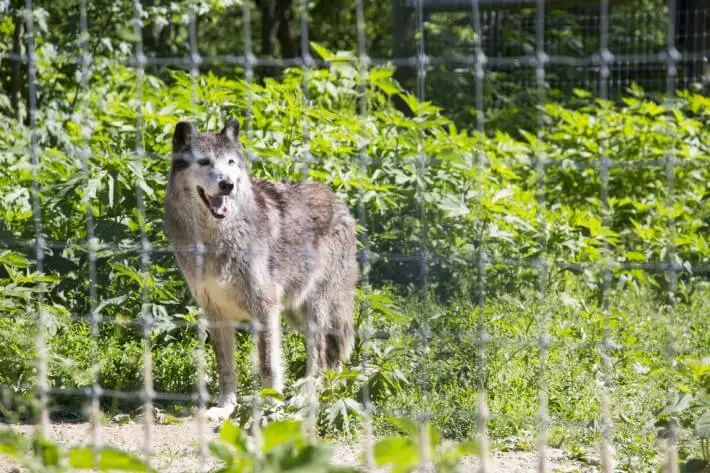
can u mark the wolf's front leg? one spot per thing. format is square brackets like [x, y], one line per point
[222, 337]
[269, 343]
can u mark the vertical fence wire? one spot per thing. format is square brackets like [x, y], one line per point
[199, 251]
[605, 59]
[35, 191]
[672, 58]
[313, 338]
[146, 309]
[421, 158]
[421, 163]
[479, 61]
[249, 62]
[85, 159]
[540, 163]
[363, 64]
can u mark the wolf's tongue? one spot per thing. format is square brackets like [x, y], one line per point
[218, 204]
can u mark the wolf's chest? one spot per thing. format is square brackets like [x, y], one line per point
[221, 298]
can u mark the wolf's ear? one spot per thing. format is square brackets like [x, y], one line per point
[184, 133]
[231, 130]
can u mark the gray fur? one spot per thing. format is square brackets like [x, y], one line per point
[269, 248]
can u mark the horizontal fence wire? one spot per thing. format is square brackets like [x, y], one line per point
[412, 62]
[566, 163]
[530, 419]
[603, 61]
[473, 336]
[385, 258]
[519, 163]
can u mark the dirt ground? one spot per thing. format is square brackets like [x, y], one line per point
[175, 449]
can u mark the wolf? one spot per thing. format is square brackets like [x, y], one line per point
[253, 249]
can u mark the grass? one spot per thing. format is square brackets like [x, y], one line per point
[426, 361]
[445, 372]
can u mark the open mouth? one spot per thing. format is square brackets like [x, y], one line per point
[217, 204]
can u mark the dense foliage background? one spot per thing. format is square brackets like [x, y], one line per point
[429, 181]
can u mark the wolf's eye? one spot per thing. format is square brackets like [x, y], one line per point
[203, 162]
[231, 162]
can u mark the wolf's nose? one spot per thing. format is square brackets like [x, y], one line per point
[226, 186]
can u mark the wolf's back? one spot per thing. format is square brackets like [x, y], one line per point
[331, 228]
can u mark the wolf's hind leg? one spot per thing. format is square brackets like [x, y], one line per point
[315, 349]
[332, 332]
[340, 338]
[316, 333]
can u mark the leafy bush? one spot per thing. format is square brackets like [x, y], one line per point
[38, 454]
[283, 447]
[478, 194]
[405, 454]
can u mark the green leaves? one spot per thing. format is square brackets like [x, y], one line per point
[45, 455]
[478, 194]
[284, 449]
[11, 443]
[398, 452]
[279, 433]
[404, 454]
[453, 206]
[469, 185]
[105, 459]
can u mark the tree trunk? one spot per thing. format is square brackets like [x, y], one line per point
[288, 38]
[268, 23]
[403, 47]
[165, 39]
[277, 24]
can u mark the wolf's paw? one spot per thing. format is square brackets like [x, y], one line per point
[218, 414]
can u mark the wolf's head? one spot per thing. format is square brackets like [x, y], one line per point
[210, 166]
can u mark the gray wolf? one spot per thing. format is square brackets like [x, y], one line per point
[251, 250]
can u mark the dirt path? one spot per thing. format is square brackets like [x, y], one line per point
[175, 449]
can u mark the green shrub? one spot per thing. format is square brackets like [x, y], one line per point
[420, 165]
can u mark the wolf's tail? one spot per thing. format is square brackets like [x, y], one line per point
[340, 340]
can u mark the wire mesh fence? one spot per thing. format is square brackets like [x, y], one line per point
[533, 54]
